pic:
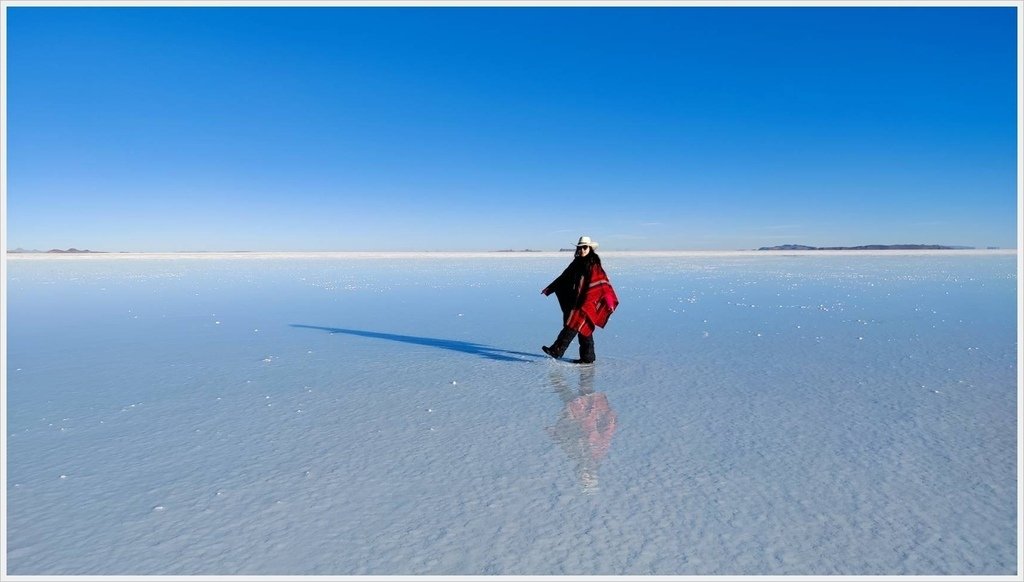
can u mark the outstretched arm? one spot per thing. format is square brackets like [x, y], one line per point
[556, 283]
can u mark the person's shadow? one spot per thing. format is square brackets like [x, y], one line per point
[585, 426]
[484, 351]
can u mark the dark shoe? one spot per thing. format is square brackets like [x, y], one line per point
[582, 362]
[561, 343]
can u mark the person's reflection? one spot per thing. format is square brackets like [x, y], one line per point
[585, 426]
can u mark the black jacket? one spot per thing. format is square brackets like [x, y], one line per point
[569, 286]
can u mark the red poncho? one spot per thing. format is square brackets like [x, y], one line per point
[593, 303]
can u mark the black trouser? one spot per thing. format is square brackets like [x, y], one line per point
[566, 336]
[587, 348]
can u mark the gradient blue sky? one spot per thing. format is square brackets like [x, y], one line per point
[340, 128]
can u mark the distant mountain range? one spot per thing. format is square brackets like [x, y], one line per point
[865, 248]
[72, 250]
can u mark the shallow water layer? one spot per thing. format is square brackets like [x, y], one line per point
[339, 416]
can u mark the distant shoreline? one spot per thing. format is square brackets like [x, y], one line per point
[257, 255]
[875, 248]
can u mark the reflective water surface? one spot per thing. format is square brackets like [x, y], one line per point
[748, 414]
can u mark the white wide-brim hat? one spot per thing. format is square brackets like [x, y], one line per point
[586, 242]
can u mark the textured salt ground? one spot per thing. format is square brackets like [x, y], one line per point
[748, 415]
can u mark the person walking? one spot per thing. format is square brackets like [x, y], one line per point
[586, 298]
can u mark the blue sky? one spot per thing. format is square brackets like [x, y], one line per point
[340, 128]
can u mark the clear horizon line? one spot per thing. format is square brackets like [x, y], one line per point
[84, 251]
[13, 253]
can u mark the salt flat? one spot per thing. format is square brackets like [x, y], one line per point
[807, 413]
